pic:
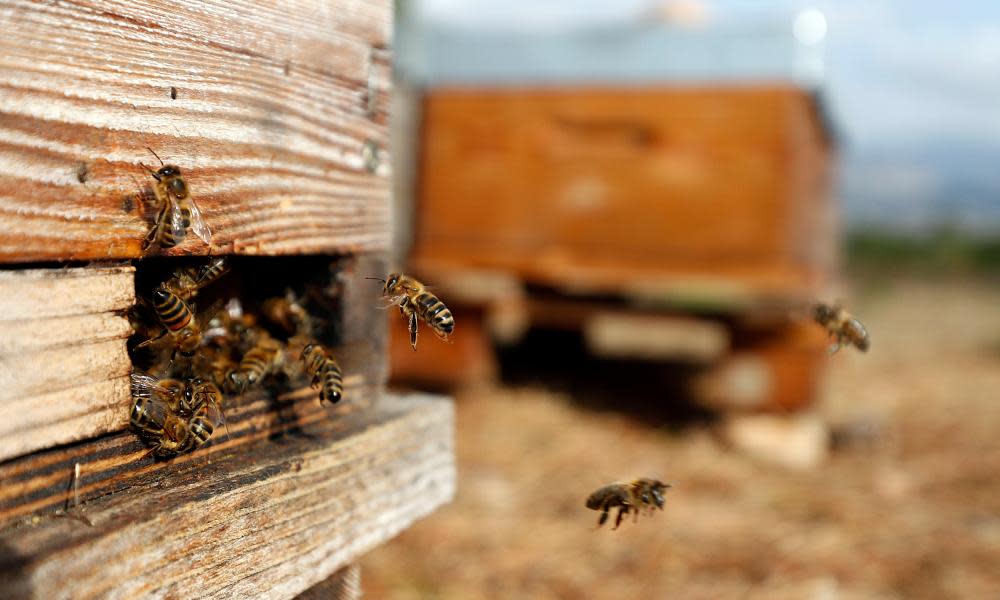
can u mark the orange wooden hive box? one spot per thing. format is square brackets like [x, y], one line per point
[684, 197]
[599, 188]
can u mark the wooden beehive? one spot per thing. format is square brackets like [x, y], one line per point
[622, 189]
[277, 116]
[630, 214]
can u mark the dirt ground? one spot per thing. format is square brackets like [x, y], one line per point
[907, 505]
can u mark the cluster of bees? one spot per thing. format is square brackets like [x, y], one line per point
[201, 357]
[198, 358]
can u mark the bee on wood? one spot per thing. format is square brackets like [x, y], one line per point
[289, 314]
[627, 497]
[842, 326]
[176, 210]
[204, 422]
[166, 433]
[325, 373]
[263, 359]
[148, 414]
[417, 303]
[176, 395]
[178, 320]
[186, 282]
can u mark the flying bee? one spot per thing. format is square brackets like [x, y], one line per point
[177, 211]
[178, 396]
[289, 314]
[417, 303]
[325, 373]
[842, 326]
[627, 497]
[187, 281]
[178, 320]
[264, 358]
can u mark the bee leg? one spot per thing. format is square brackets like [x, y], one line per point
[154, 233]
[152, 340]
[413, 330]
[833, 349]
[621, 515]
[603, 518]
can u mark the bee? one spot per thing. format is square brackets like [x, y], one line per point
[166, 433]
[627, 497]
[176, 395]
[174, 439]
[417, 303]
[325, 373]
[179, 321]
[289, 314]
[215, 364]
[842, 327]
[264, 358]
[186, 282]
[203, 423]
[177, 211]
[149, 413]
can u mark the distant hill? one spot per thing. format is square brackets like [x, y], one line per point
[922, 186]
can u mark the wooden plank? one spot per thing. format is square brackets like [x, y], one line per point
[345, 584]
[268, 111]
[633, 335]
[63, 365]
[272, 518]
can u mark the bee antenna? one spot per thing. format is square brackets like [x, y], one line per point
[151, 172]
[156, 155]
[376, 279]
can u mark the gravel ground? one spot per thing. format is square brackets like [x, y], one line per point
[907, 506]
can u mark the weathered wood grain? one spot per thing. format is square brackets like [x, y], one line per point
[267, 520]
[63, 364]
[345, 584]
[266, 107]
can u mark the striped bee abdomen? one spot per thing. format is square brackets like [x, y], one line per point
[203, 424]
[333, 382]
[256, 364]
[325, 372]
[434, 312]
[173, 312]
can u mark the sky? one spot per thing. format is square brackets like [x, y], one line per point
[913, 87]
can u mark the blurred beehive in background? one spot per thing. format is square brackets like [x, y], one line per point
[662, 219]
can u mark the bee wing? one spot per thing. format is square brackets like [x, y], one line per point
[142, 385]
[198, 225]
[204, 317]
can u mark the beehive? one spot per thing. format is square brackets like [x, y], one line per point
[278, 118]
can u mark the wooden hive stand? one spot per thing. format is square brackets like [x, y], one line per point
[278, 116]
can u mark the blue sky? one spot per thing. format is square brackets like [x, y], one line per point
[906, 80]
